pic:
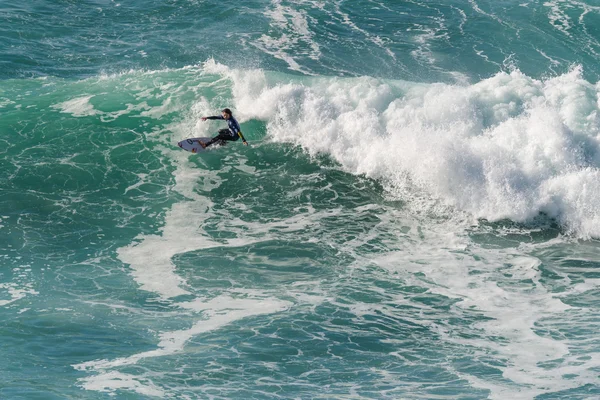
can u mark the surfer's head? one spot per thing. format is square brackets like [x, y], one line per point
[226, 113]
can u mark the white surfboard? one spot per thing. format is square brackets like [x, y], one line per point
[192, 144]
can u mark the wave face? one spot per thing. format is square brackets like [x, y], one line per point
[416, 216]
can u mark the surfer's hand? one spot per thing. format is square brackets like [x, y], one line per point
[203, 118]
[245, 143]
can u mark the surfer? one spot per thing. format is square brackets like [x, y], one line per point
[233, 133]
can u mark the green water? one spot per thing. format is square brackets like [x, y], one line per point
[416, 215]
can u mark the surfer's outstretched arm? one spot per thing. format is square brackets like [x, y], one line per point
[213, 117]
[242, 137]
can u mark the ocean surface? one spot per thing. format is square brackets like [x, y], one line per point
[417, 215]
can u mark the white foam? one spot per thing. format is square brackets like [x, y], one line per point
[149, 256]
[506, 147]
[433, 30]
[5, 102]
[218, 312]
[477, 9]
[294, 29]
[78, 107]
[20, 287]
[558, 18]
[139, 183]
[16, 291]
[111, 116]
[505, 287]
[159, 111]
[82, 107]
[110, 381]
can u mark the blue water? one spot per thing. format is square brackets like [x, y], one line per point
[417, 215]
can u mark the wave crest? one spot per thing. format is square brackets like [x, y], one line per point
[509, 146]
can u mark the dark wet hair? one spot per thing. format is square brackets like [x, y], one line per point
[227, 111]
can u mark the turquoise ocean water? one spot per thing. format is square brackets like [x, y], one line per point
[416, 217]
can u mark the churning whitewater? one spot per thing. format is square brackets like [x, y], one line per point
[416, 216]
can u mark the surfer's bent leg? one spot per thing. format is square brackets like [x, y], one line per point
[223, 135]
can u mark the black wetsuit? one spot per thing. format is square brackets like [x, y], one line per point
[233, 133]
